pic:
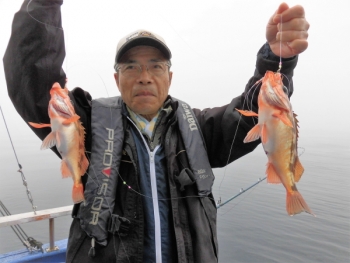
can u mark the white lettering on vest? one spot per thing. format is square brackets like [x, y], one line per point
[107, 162]
[190, 118]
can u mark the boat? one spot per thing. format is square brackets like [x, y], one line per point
[54, 251]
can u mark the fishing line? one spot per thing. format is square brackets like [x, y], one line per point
[280, 64]
[255, 87]
[250, 107]
[139, 193]
[38, 20]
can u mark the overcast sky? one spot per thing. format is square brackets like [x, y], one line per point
[214, 45]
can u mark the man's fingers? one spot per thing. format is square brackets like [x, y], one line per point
[280, 10]
[298, 46]
[289, 14]
[297, 24]
[283, 7]
[289, 36]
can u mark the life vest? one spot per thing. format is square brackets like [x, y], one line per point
[107, 142]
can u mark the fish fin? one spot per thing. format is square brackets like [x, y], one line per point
[65, 170]
[78, 193]
[272, 177]
[253, 134]
[284, 119]
[296, 204]
[298, 170]
[296, 124]
[39, 125]
[84, 165]
[74, 118]
[247, 113]
[49, 141]
[263, 134]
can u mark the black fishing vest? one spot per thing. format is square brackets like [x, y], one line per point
[107, 142]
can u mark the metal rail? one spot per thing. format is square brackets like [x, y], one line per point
[50, 214]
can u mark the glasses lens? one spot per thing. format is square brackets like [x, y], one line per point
[130, 69]
[156, 68]
[134, 69]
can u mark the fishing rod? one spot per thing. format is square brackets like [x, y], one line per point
[241, 191]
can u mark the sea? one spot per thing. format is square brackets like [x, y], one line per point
[252, 228]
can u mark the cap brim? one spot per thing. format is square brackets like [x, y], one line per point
[143, 41]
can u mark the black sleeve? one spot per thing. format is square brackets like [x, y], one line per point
[33, 63]
[223, 125]
[33, 59]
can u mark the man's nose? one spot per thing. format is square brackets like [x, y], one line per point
[145, 76]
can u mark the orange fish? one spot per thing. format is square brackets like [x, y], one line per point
[278, 129]
[68, 135]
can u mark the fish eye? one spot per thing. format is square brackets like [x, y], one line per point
[285, 90]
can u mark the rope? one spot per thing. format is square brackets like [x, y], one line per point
[30, 243]
[29, 195]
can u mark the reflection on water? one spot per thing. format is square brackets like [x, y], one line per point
[252, 228]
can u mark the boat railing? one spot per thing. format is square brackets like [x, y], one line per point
[39, 215]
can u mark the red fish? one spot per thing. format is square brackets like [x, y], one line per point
[68, 135]
[278, 129]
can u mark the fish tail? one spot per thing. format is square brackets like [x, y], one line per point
[78, 193]
[296, 204]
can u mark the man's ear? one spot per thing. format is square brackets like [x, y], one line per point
[116, 77]
[170, 77]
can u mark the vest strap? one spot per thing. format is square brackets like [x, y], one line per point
[195, 148]
[118, 224]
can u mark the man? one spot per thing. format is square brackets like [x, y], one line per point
[148, 188]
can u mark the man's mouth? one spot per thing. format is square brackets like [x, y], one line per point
[144, 93]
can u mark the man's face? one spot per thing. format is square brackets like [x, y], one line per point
[146, 93]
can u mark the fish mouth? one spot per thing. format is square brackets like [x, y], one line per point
[59, 106]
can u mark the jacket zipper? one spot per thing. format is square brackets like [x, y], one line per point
[157, 230]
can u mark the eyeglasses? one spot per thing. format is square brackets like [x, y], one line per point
[133, 70]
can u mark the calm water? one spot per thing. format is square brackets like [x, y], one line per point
[252, 228]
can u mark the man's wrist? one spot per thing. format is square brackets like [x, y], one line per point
[269, 55]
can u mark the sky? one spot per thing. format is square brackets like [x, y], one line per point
[214, 46]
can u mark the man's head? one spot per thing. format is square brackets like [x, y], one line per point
[142, 75]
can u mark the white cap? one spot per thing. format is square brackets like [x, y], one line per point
[141, 37]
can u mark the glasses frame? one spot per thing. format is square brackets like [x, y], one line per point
[140, 67]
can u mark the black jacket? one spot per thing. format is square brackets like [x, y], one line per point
[32, 63]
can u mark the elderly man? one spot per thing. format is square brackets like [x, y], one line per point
[148, 189]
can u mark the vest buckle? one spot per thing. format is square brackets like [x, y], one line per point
[118, 224]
